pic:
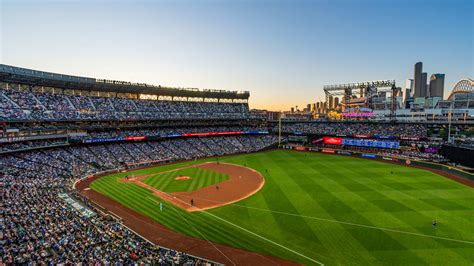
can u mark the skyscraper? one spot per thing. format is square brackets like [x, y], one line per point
[417, 80]
[408, 88]
[409, 85]
[424, 81]
[437, 85]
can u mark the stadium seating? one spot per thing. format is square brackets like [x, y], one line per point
[351, 129]
[38, 226]
[33, 106]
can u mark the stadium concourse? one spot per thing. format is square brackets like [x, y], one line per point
[57, 129]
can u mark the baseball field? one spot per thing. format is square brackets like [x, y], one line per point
[314, 209]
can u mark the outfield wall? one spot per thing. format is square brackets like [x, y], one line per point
[459, 154]
[403, 161]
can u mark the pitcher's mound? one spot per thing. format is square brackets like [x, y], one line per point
[182, 178]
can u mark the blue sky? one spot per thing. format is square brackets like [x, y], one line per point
[282, 51]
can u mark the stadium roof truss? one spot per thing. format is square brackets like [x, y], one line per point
[364, 90]
[355, 88]
[11, 74]
[463, 86]
[360, 88]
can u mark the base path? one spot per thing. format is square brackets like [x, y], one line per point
[242, 183]
[162, 236]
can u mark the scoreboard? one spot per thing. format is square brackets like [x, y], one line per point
[371, 143]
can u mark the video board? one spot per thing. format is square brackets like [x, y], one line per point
[371, 143]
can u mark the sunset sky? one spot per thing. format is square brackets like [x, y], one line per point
[282, 51]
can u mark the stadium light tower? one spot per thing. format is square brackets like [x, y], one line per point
[449, 121]
[393, 105]
[279, 129]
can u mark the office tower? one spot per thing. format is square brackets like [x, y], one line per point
[437, 85]
[424, 81]
[409, 87]
[417, 82]
[407, 93]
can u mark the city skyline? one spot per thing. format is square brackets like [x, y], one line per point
[283, 53]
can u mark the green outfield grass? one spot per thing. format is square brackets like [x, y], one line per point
[199, 178]
[329, 209]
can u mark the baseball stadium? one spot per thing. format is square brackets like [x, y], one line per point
[102, 171]
[236, 132]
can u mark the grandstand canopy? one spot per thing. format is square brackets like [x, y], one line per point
[12, 74]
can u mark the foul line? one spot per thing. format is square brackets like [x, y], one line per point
[199, 232]
[369, 226]
[264, 238]
[354, 224]
[259, 236]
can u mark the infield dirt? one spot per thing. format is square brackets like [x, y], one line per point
[229, 191]
[242, 183]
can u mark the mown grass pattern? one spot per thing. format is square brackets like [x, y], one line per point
[332, 187]
[199, 178]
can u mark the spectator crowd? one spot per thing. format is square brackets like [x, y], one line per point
[34, 106]
[353, 129]
[165, 132]
[37, 226]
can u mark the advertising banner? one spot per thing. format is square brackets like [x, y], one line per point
[136, 138]
[409, 138]
[205, 134]
[98, 140]
[362, 136]
[432, 150]
[175, 135]
[299, 148]
[344, 152]
[23, 138]
[332, 140]
[384, 137]
[295, 138]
